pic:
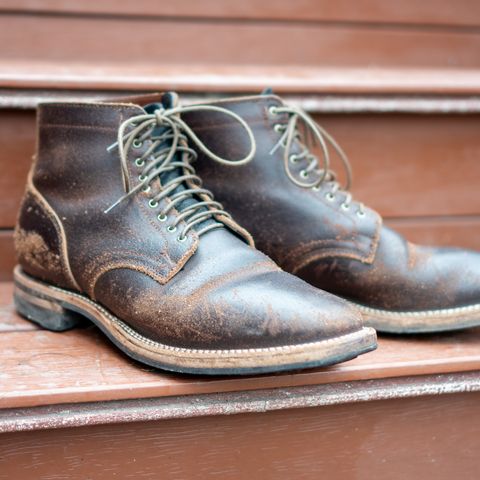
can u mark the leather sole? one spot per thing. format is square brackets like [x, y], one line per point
[426, 321]
[56, 309]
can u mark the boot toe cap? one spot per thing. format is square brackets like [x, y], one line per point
[264, 310]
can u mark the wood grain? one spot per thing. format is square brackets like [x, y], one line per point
[444, 13]
[214, 78]
[405, 165]
[17, 136]
[433, 437]
[82, 366]
[445, 231]
[412, 165]
[102, 41]
[7, 255]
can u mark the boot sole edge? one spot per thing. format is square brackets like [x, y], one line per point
[57, 309]
[421, 321]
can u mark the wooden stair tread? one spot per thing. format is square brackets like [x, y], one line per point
[43, 368]
[210, 77]
[443, 13]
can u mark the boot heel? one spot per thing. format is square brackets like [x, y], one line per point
[47, 313]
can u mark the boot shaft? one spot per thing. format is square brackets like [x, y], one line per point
[63, 234]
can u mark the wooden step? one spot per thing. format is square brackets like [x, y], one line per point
[45, 368]
[414, 160]
[70, 402]
[443, 13]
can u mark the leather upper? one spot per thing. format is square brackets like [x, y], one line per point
[311, 234]
[211, 291]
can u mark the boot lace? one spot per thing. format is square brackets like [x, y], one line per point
[169, 151]
[312, 133]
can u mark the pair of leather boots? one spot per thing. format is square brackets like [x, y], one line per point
[116, 227]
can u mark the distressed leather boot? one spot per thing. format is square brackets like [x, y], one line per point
[115, 227]
[298, 214]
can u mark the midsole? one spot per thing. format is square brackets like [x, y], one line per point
[421, 320]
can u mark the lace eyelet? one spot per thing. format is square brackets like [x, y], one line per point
[293, 158]
[139, 162]
[137, 143]
[171, 229]
[146, 189]
[278, 128]
[360, 214]
[316, 188]
[330, 196]
[142, 178]
[181, 239]
[272, 110]
[345, 206]
[162, 218]
[303, 173]
[152, 203]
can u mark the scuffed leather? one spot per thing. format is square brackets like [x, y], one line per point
[38, 242]
[403, 277]
[228, 296]
[80, 180]
[210, 292]
[333, 249]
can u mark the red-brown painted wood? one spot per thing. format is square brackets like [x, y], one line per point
[99, 42]
[40, 367]
[430, 437]
[444, 13]
[405, 165]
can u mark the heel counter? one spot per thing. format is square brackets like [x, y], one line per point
[39, 244]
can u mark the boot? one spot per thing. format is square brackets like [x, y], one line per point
[116, 228]
[298, 214]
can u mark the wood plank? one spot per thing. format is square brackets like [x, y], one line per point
[404, 165]
[214, 78]
[412, 165]
[461, 13]
[28, 99]
[433, 437]
[449, 231]
[100, 41]
[61, 416]
[82, 366]
[17, 136]
[7, 255]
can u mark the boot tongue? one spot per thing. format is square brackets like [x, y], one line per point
[170, 100]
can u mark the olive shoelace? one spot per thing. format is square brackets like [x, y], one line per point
[169, 151]
[290, 136]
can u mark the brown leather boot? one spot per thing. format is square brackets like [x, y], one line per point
[297, 213]
[116, 227]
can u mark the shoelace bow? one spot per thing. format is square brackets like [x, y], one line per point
[291, 135]
[160, 158]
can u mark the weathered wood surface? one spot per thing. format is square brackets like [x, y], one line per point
[444, 13]
[41, 368]
[420, 171]
[100, 39]
[404, 165]
[430, 437]
[200, 78]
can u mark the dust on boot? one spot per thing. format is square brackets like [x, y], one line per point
[115, 227]
[299, 215]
